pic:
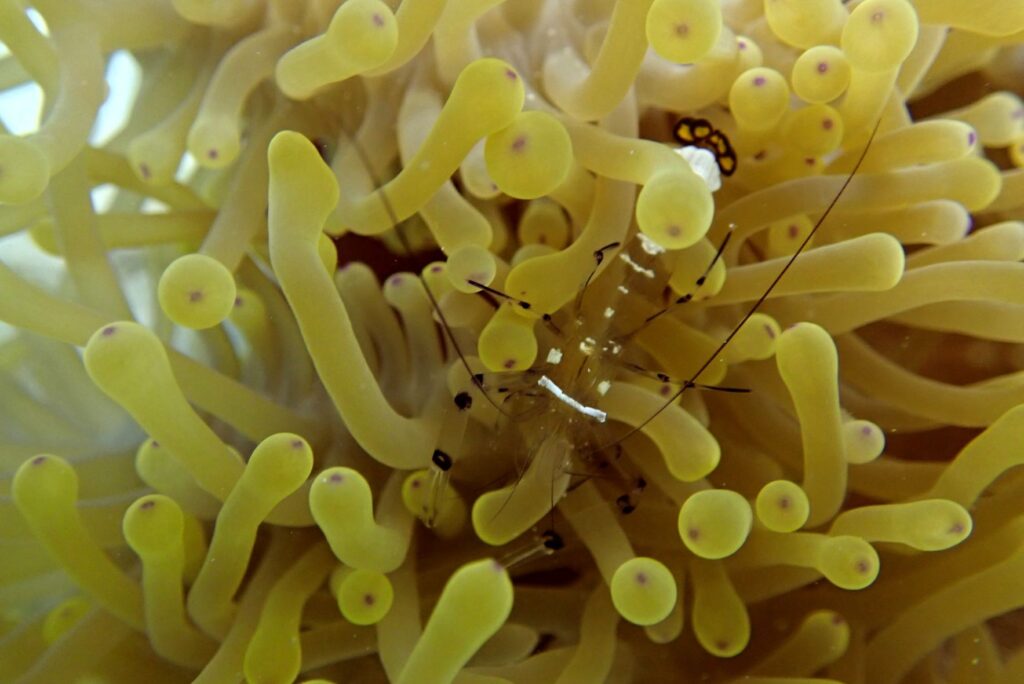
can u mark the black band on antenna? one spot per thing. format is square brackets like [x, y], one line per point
[442, 460]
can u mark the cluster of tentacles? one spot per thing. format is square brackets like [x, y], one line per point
[522, 341]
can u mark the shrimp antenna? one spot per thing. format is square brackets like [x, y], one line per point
[474, 377]
[688, 297]
[521, 303]
[501, 295]
[662, 377]
[598, 260]
[692, 382]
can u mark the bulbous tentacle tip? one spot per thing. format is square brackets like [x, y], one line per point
[759, 99]
[489, 93]
[279, 465]
[64, 617]
[364, 597]
[44, 479]
[120, 353]
[849, 562]
[530, 157]
[715, 523]
[683, 31]
[643, 591]
[820, 74]
[880, 34]
[215, 142]
[782, 506]
[675, 209]
[298, 171]
[197, 291]
[154, 525]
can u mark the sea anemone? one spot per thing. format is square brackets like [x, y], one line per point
[524, 341]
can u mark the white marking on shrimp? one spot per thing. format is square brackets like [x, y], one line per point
[609, 312]
[649, 245]
[554, 356]
[703, 164]
[548, 384]
[646, 272]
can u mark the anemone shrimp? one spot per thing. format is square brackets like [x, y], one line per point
[505, 407]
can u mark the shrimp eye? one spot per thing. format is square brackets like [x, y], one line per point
[463, 401]
[625, 504]
[552, 540]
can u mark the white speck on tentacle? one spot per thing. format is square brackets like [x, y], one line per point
[548, 384]
[554, 356]
[703, 164]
